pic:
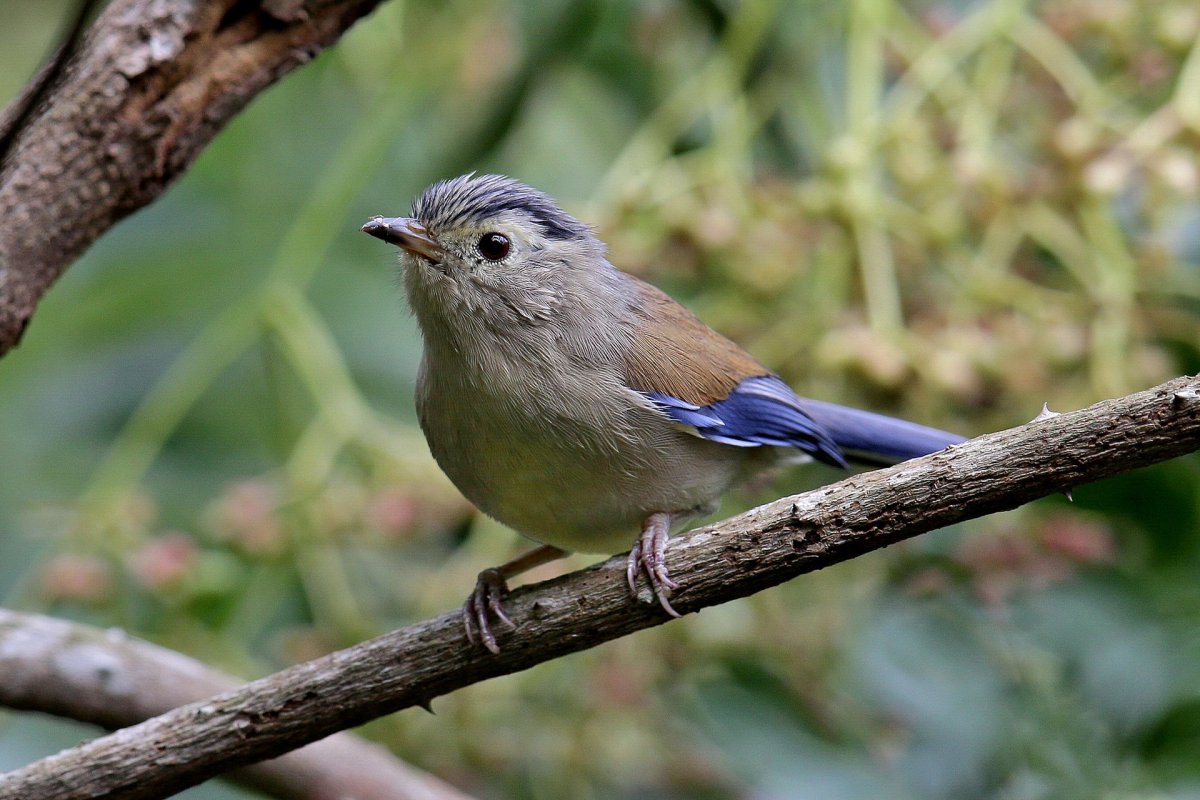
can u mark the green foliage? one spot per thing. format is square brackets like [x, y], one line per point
[948, 211]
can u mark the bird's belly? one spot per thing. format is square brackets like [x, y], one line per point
[579, 508]
[581, 489]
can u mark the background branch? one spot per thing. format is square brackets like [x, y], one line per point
[152, 83]
[714, 564]
[109, 679]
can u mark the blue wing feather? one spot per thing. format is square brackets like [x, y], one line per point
[760, 411]
[686, 413]
[764, 411]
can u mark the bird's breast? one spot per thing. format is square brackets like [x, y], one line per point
[563, 452]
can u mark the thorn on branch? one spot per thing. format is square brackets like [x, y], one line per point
[1045, 413]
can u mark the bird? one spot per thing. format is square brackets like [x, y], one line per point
[582, 406]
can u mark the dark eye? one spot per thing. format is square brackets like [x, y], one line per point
[493, 246]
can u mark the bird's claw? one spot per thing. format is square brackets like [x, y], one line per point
[648, 556]
[484, 604]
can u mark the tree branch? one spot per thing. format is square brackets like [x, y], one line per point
[108, 679]
[31, 97]
[152, 83]
[714, 564]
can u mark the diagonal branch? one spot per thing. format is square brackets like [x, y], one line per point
[714, 564]
[152, 83]
[109, 679]
[35, 92]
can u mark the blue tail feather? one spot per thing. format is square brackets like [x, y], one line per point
[875, 438]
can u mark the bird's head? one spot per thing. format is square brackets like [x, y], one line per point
[489, 245]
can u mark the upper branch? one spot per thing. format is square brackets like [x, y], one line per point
[720, 562]
[152, 83]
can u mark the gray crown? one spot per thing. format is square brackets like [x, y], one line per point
[471, 200]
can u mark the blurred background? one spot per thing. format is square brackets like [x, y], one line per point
[948, 211]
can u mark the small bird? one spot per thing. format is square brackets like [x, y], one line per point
[580, 405]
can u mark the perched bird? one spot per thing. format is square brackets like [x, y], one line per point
[580, 405]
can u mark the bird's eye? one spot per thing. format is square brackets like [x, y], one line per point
[493, 246]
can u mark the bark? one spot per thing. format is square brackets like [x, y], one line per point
[714, 564]
[111, 680]
[151, 84]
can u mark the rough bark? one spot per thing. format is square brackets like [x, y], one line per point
[151, 84]
[714, 564]
[109, 679]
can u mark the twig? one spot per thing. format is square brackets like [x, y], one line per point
[109, 679]
[714, 564]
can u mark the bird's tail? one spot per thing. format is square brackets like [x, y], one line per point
[873, 438]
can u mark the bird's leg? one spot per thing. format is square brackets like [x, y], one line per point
[487, 601]
[649, 556]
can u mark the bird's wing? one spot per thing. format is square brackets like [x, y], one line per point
[711, 387]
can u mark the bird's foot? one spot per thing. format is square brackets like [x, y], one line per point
[648, 556]
[485, 604]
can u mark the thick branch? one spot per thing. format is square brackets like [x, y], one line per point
[152, 84]
[111, 680]
[720, 562]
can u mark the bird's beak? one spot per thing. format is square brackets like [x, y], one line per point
[408, 234]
